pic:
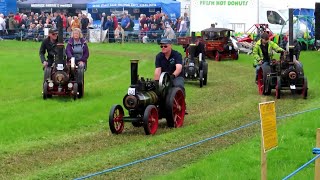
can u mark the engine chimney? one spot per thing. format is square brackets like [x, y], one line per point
[60, 44]
[192, 46]
[291, 44]
[134, 72]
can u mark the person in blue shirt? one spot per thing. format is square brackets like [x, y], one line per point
[125, 22]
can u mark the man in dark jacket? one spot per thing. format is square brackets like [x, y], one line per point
[200, 49]
[49, 45]
[170, 61]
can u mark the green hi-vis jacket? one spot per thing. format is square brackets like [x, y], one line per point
[257, 52]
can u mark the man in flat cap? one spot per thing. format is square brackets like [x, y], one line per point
[170, 61]
[49, 45]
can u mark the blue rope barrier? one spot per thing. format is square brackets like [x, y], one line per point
[189, 145]
[167, 152]
[302, 167]
[316, 151]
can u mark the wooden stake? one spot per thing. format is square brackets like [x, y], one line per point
[263, 162]
[317, 164]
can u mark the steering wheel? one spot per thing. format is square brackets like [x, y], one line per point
[164, 83]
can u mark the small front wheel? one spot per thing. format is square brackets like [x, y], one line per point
[116, 122]
[176, 108]
[150, 120]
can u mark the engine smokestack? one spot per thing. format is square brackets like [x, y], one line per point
[291, 44]
[60, 45]
[192, 46]
[134, 72]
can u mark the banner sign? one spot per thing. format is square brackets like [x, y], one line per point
[223, 3]
[8, 6]
[137, 5]
[268, 125]
[51, 5]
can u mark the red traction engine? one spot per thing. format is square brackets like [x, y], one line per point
[147, 101]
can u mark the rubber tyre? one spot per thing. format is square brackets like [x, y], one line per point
[80, 81]
[75, 91]
[47, 73]
[201, 78]
[278, 88]
[236, 55]
[218, 56]
[205, 73]
[45, 91]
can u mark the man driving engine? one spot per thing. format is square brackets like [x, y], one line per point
[49, 45]
[263, 52]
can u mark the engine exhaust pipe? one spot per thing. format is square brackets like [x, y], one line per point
[60, 59]
[134, 72]
[192, 47]
[291, 44]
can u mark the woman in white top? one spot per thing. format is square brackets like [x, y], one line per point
[183, 28]
[2, 25]
[169, 33]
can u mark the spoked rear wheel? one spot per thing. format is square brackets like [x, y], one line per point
[116, 122]
[263, 81]
[260, 82]
[176, 108]
[267, 85]
[150, 120]
[47, 73]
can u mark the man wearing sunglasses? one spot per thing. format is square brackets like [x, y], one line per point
[49, 45]
[170, 61]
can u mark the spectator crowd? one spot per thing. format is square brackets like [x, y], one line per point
[151, 28]
[32, 26]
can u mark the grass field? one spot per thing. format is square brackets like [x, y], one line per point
[63, 139]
